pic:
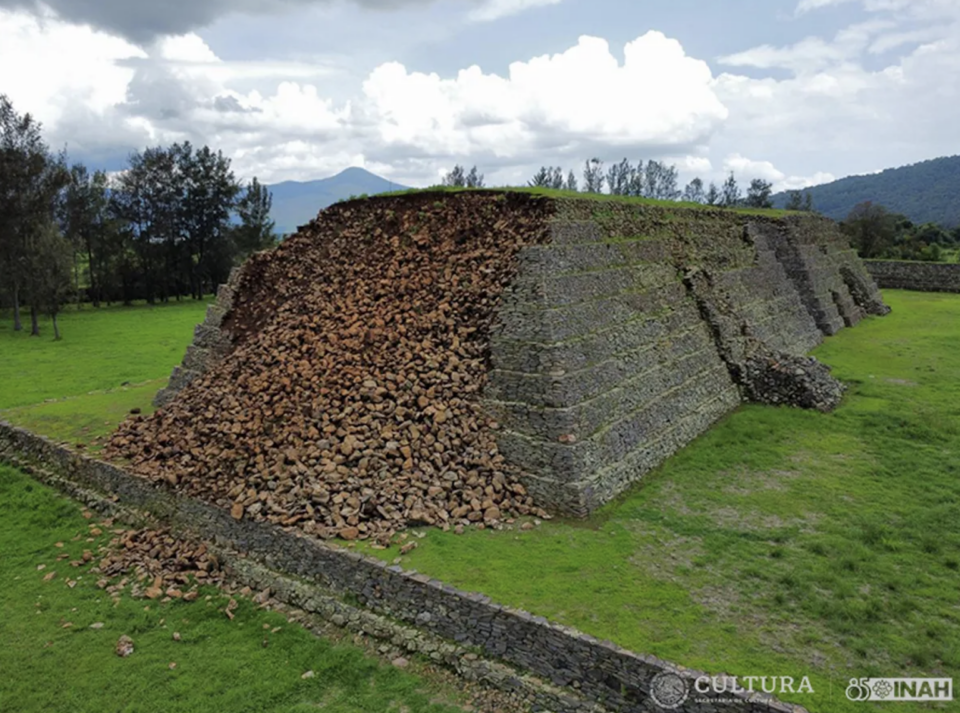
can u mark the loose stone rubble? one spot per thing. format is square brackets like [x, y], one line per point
[348, 406]
[156, 564]
[783, 379]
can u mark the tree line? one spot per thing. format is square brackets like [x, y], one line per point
[876, 232]
[171, 225]
[651, 179]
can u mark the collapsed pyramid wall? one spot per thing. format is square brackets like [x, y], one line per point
[347, 402]
[611, 335]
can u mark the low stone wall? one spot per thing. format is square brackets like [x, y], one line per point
[598, 671]
[920, 276]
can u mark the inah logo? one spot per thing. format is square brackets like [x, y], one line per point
[900, 689]
[668, 690]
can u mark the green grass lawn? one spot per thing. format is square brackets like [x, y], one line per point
[52, 661]
[782, 542]
[109, 361]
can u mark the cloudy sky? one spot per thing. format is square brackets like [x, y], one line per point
[794, 91]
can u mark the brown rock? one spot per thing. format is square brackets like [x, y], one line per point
[124, 646]
[349, 533]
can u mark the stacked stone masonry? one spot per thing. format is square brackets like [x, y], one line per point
[579, 673]
[636, 328]
[633, 329]
[210, 343]
[920, 276]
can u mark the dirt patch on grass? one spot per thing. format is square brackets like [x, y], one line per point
[776, 633]
[747, 482]
[739, 518]
[662, 557]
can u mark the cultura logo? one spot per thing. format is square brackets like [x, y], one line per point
[900, 689]
[668, 690]
[749, 684]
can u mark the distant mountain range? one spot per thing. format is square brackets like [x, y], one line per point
[296, 203]
[926, 192]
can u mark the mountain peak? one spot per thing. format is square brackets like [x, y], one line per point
[298, 202]
[354, 171]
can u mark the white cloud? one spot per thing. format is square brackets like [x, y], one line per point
[186, 48]
[144, 21]
[563, 107]
[876, 88]
[692, 165]
[278, 120]
[794, 183]
[813, 53]
[913, 8]
[746, 170]
[750, 169]
[47, 66]
[893, 40]
[805, 6]
[495, 9]
[658, 96]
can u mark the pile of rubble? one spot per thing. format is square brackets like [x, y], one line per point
[157, 564]
[784, 379]
[348, 406]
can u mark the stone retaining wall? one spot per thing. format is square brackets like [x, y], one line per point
[594, 672]
[920, 276]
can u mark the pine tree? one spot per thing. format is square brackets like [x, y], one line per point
[712, 196]
[758, 195]
[556, 178]
[693, 193]
[256, 229]
[51, 267]
[730, 193]
[474, 179]
[455, 178]
[593, 176]
[541, 179]
[794, 200]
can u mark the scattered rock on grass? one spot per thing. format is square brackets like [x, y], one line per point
[124, 646]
